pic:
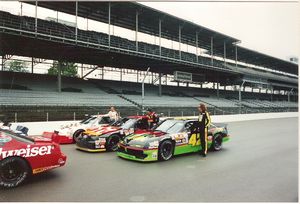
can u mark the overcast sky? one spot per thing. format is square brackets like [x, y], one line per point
[271, 28]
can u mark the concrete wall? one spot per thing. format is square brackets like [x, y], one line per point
[36, 128]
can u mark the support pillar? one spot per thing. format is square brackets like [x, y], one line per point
[212, 50]
[76, 14]
[32, 65]
[137, 76]
[2, 62]
[81, 70]
[218, 91]
[179, 37]
[235, 55]
[159, 33]
[35, 17]
[136, 30]
[224, 54]
[59, 77]
[197, 45]
[109, 13]
[159, 84]
[121, 73]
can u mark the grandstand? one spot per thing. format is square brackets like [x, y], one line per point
[223, 65]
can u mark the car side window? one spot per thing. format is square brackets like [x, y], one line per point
[142, 124]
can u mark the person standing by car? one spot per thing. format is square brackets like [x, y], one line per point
[201, 128]
[113, 114]
[152, 117]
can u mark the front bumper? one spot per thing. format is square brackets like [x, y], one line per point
[137, 154]
[89, 146]
[60, 139]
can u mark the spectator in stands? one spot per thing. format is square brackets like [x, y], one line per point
[152, 117]
[201, 128]
[113, 114]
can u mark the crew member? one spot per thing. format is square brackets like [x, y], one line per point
[152, 117]
[202, 128]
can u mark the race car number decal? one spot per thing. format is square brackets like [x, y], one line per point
[194, 140]
[28, 152]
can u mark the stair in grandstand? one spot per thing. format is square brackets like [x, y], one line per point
[131, 101]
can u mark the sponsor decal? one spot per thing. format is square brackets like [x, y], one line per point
[4, 138]
[154, 155]
[153, 145]
[27, 152]
[39, 170]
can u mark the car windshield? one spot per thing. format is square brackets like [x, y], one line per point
[8, 133]
[170, 126]
[104, 120]
[129, 123]
[88, 120]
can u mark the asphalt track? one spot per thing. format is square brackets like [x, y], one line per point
[260, 163]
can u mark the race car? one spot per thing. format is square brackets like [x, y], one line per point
[68, 134]
[170, 137]
[21, 157]
[107, 137]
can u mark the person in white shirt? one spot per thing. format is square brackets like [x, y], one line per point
[113, 114]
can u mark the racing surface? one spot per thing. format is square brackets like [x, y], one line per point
[259, 163]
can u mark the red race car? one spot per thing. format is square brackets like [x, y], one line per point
[21, 157]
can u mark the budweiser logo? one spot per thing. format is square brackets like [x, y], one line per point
[26, 152]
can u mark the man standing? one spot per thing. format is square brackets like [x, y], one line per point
[202, 127]
[152, 117]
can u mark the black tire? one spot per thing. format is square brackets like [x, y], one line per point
[217, 142]
[76, 134]
[165, 150]
[112, 143]
[13, 172]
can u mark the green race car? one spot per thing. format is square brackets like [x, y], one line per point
[170, 137]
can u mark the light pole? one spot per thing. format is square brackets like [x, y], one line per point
[143, 88]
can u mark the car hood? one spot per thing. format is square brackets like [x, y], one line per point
[101, 130]
[144, 140]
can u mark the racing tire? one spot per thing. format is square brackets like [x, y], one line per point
[76, 134]
[216, 143]
[13, 172]
[112, 143]
[165, 150]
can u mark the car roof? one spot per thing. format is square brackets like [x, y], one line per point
[137, 116]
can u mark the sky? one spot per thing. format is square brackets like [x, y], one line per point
[271, 27]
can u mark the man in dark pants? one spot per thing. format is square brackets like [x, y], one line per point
[202, 128]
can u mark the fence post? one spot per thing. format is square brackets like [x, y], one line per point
[214, 111]
[194, 113]
[47, 116]
[169, 113]
[181, 113]
[74, 116]
[16, 117]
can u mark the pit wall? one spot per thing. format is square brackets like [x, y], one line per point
[36, 128]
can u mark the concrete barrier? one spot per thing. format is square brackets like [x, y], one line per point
[36, 128]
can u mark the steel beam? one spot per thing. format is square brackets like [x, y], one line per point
[159, 84]
[90, 72]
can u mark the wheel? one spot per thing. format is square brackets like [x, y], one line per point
[112, 143]
[76, 134]
[217, 142]
[13, 171]
[165, 150]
